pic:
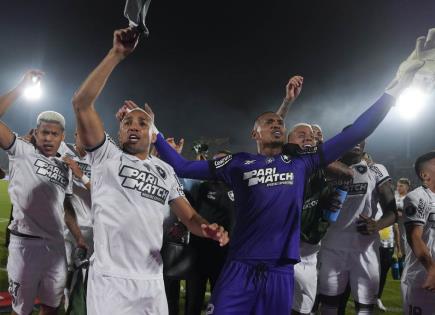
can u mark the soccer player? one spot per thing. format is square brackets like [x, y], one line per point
[131, 194]
[318, 196]
[349, 251]
[74, 155]
[403, 186]
[77, 160]
[269, 189]
[418, 278]
[40, 186]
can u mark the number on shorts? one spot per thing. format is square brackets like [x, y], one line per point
[415, 310]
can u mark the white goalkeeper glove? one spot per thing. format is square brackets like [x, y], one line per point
[418, 69]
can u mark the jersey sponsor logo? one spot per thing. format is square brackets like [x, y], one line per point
[268, 176]
[161, 171]
[223, 161]
[285, 158]
[55, 173]
[144, 182]
[357, 189]
[249, 162]
[231, 195]
[361, 169]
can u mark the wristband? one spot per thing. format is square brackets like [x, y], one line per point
[85, 180]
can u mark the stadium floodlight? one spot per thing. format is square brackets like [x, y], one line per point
[33, 91]
[411, 102]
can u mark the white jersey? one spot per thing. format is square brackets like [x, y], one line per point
[362, 194]
[419, 207]
[402, 232]
[130, 200]
[399, 200]
[81, 198]
[37, 189]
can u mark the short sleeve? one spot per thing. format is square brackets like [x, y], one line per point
[19, 147]
[416, 209]
[106, 150]
[176, 189]
[381, 173]
[221, 168]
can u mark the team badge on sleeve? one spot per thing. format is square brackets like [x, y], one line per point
[223, 161]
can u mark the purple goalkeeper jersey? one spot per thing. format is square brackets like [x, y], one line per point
[268, 191]
[268, 199]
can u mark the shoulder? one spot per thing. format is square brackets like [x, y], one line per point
[417, 201]
[378, 169]
[162, 167]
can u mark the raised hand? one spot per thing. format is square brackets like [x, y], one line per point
[418, 68]
[130, 105]
[176, 146]
[293, 88]
[215, 232]
[125, 41]
[30, 77]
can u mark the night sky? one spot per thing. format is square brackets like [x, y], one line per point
[209, 67]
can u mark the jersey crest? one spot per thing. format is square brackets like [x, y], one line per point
[362, 169]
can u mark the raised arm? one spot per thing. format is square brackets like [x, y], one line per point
[9, 98]
[363, 126]
[89, 125]
[292, 91]
[184, 168]
[6, 100]
[371, 118]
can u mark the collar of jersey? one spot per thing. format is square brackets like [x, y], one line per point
[134, 158]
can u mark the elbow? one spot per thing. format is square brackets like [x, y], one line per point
[79, 101]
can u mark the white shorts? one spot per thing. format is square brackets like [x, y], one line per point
[70, 244]
[113, 295]
[416, 300]
[36, 268]
[305, 288]
[359, 269]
